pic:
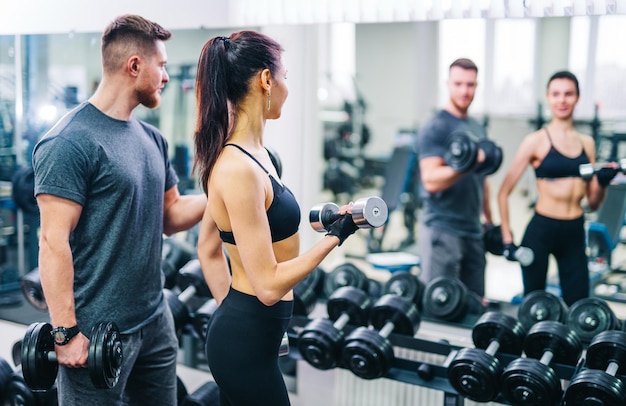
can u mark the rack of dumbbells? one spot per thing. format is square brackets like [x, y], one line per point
[540, 352]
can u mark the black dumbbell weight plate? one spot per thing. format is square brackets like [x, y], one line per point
[461, 152]
[30, 285]
[319, 344]
[180, 312]
[526, 381]
[557, 337]
[405, 284]
[346, 274]
[367, 354]
[352, 301]
[501, 327]
[207, 394]
[445, 299]
[5, 372]
[39, 373]
[471, 374]
[590, 316]
[493, 157]
[191, 275]
[105, 355]
[17, 393]
[16, 353]
[540, 305]
[396, 309]
[605, 347]
[595, 387]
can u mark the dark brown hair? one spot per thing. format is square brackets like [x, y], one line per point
[565, 74]
[464, 63]
[225, 69]
[129, 34]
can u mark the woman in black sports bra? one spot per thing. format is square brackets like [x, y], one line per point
[239, 85]
[557, 226]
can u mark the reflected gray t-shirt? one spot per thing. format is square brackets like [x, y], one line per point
[456, 210]
[118, 172]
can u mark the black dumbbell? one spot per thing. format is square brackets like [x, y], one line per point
[598, 383]
[531, 380]
[320, 341]
[345, 274]
[369, 353]
[14, 391]
[541, 305]
[32, 290]
[462, 151]
[191, 284]
[492, 238]
[175, 253]
[589, 316]
[39, 360]
[475, 372]
[367, 212]
[449, 299]
[206, 395]
[405, 284]
[587, 171]
[306, 292]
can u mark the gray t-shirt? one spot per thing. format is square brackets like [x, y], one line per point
[457, 209]
[118, 171]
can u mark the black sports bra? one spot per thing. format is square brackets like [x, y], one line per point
[556, 165]
[283, 214]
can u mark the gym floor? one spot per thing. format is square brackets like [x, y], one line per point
[503, 283]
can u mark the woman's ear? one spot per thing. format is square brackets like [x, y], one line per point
[266, 79]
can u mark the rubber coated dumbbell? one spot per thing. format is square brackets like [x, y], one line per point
[15, 392]
[531, 380]
[462, 152]
[32, 290]
[367, 212]
[206, 395]
[306, 292]
[587, 171]
[369, 353]
[320, 341]
[405, 284]
[492, 238]
[39, 360]
[475, 372]
[192, 285]
[598, 383]
[175, 253]
[449, 299]
[589, 316]
[540, 305]
[202, 316]
[346, 274]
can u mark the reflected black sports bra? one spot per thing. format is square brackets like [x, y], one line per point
[556, 165]
[283, 214]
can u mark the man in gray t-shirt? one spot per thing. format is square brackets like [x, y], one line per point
[450, 228]
[107, 193]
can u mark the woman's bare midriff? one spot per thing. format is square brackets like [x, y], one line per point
[560, 198]
[284, 250]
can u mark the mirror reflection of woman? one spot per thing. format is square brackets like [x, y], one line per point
[556, 228]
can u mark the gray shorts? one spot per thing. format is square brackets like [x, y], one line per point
[445, 254]
[148, 375]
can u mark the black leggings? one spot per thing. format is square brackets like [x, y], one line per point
[565, 239]
[242, 346]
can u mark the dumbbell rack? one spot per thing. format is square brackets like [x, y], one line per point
[428, 375]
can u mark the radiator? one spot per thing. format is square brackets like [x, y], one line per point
[340, 387]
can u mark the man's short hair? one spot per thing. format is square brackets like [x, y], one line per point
[464, 63]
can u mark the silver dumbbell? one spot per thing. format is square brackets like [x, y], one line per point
[367, 212]
[587, 171]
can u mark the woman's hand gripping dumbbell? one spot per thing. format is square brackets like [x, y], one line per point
[367, 212]
[604, 171]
